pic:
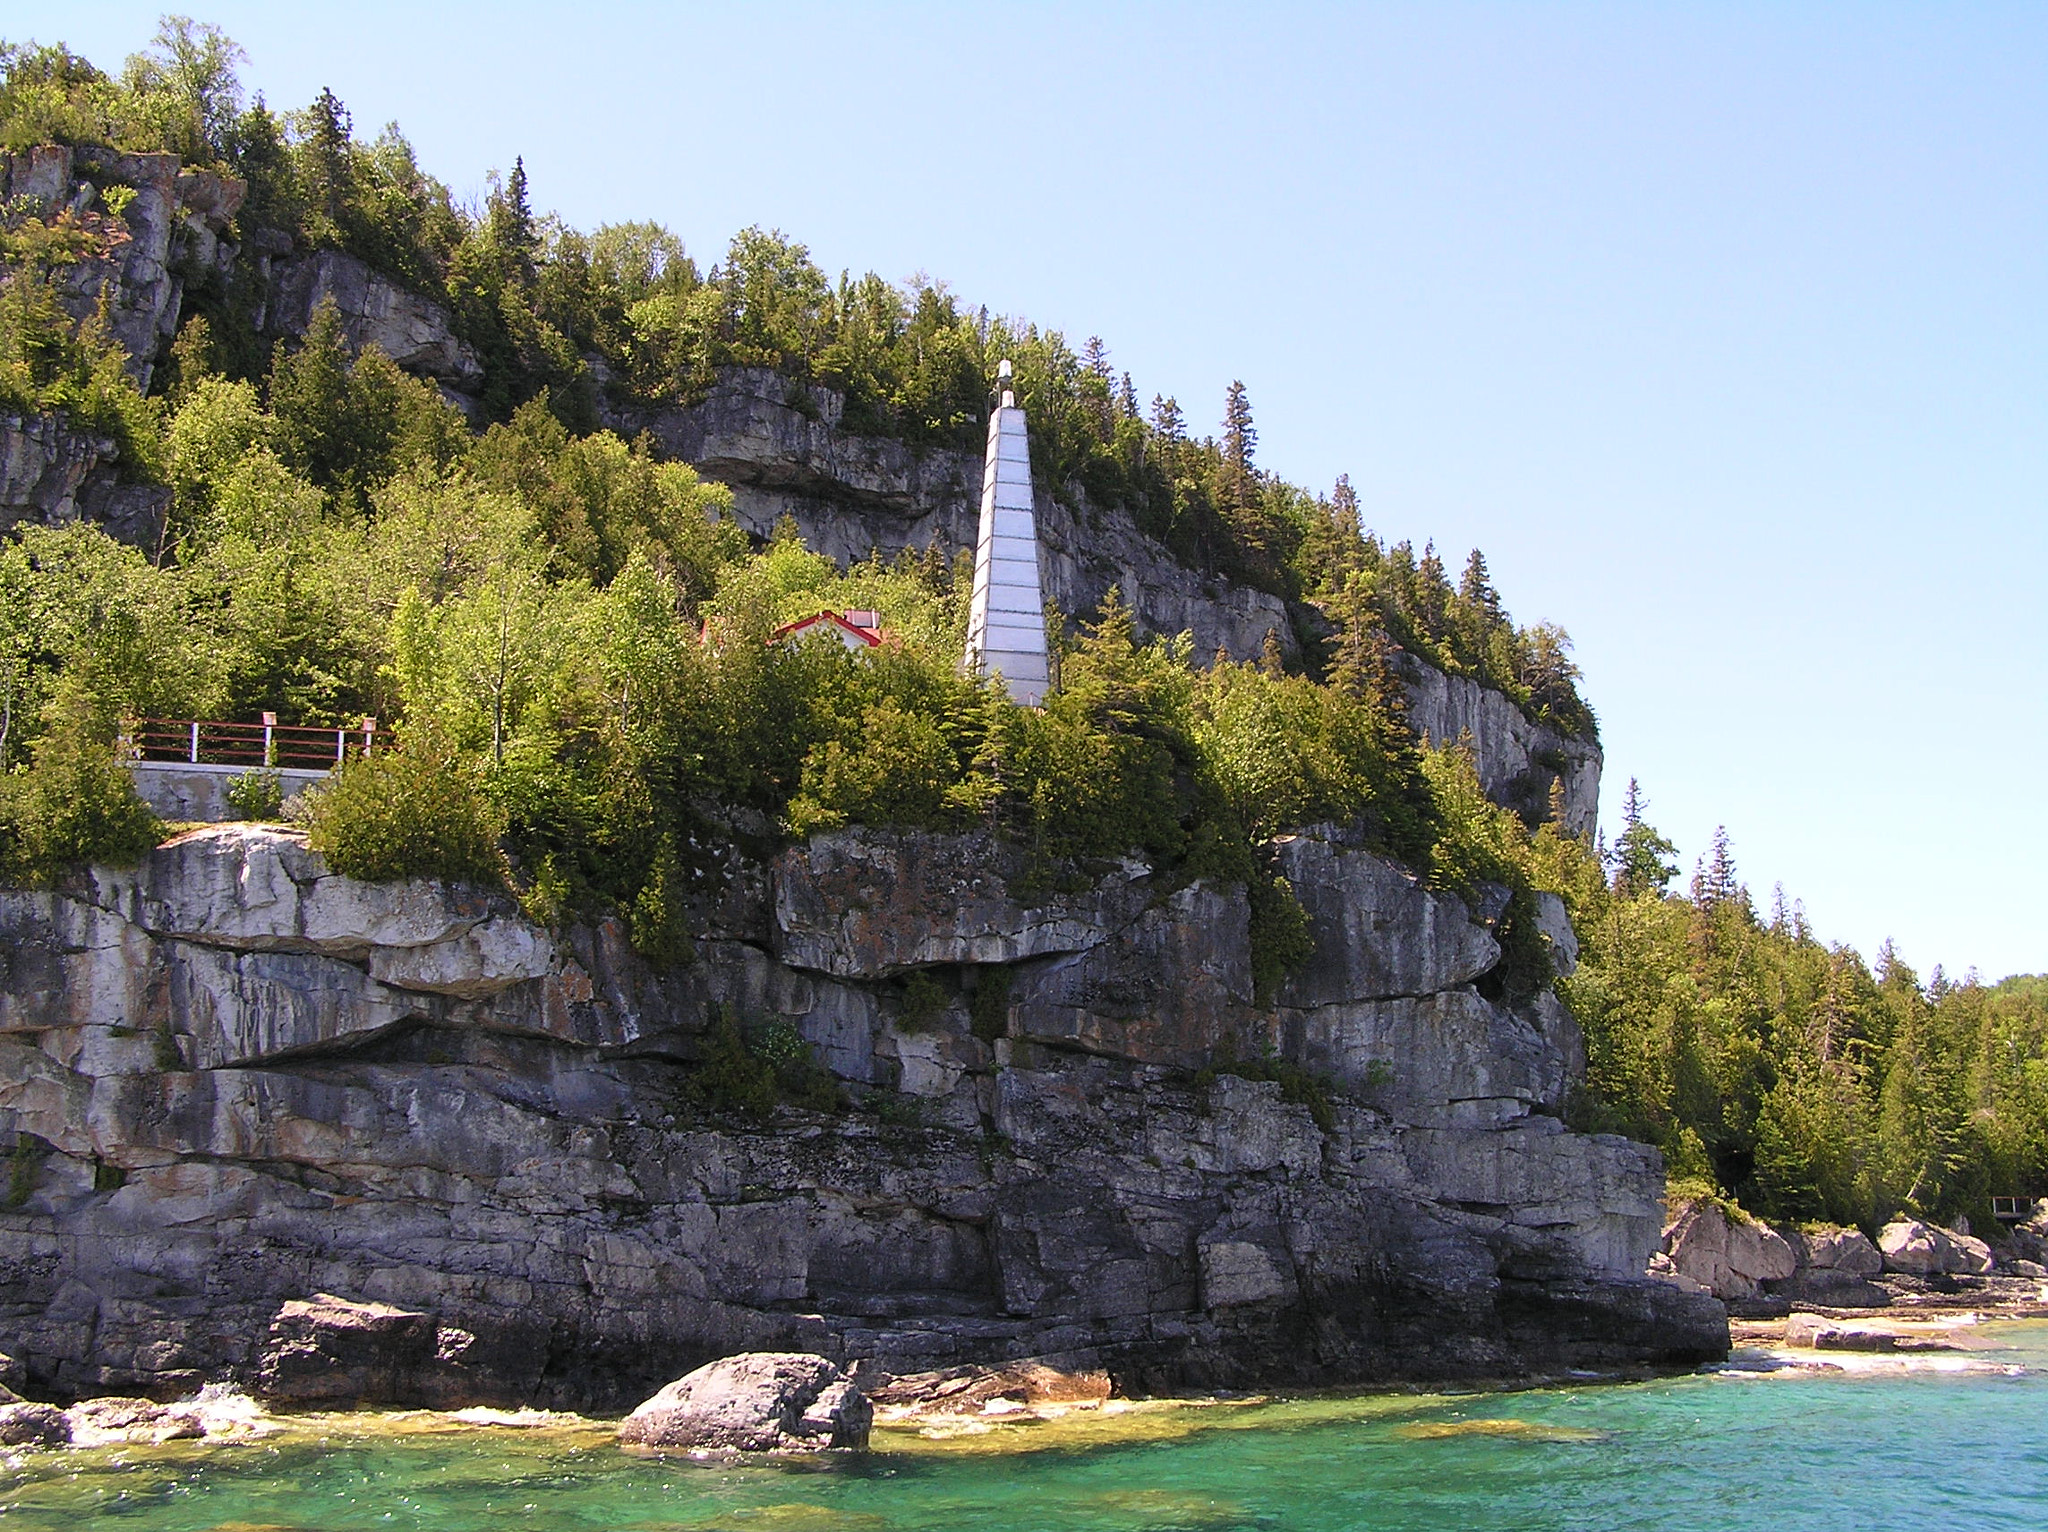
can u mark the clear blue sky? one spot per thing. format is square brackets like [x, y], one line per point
[1721, 328]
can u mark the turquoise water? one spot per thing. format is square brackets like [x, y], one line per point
[1883, 1445]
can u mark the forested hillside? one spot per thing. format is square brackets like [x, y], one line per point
[572, 636]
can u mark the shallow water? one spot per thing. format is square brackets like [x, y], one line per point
[1958, 1441]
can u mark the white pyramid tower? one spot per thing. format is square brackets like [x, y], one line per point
[1006, 623]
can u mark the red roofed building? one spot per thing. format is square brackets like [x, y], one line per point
[857, 630]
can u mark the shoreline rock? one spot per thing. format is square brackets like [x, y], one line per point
[759, 1401]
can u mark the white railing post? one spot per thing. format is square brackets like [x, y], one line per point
[369, 732]
[195, 742]
[269, 739]
[340, 745]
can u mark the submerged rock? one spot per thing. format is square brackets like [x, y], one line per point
[1010, 1388]
[759, 1401]
[1814, 1332]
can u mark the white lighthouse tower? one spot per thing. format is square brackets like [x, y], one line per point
[1006, 623]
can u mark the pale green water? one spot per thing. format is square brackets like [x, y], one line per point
[1880, 1447]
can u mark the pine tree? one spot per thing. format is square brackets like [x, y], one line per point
[327, 158]
[512, 231]
[1344, 508]
[1477, 591]
[1433, 589]
[1713, 880]
[1271, 660]
[1362, 665]
[1639, 853]
[1240, 440]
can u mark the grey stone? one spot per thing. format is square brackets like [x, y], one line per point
[1378, 932]
[1843, 1250]
[228, 1110]
[1554, 924]
[1517, 758]
[330, 1350]
[1731, 1257]
[33, 1425]
[754, 1402]
[1923, 1249]
[870, 903]
[415, 332]
[115, 1421]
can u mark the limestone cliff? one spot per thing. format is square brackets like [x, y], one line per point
[234, 1080]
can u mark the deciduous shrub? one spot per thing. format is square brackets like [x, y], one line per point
[255, 795]
[76, 803]
[410, 812]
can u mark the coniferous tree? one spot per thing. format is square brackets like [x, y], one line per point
[1639, 853]
[1477, 591]
[1240, 441]
[511, 226]
[326, 160]
[1344, 509]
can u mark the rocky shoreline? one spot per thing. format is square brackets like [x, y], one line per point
[1762, 1272]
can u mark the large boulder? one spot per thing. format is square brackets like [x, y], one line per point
[1730, 1257]
[758, 1401]
[328, 1350]
[1847, 1251]
[118, 1422]
[1918, 1249]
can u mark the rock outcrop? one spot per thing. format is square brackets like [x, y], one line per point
[1731, 1257]
[1917, 1249]
[174, 230]
[1835, 1267]
[233, 1081]
[763, 1401]
[415, 332]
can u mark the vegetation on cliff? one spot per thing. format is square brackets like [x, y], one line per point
[1785, 1071]
[625, 317]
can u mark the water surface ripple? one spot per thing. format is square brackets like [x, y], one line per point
[1960, 1442]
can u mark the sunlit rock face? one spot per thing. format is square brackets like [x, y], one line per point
[233, 1081]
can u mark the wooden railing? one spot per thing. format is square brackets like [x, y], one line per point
[295, 747]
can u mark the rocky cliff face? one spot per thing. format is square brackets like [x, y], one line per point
[176, 225]
[233, 1080]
